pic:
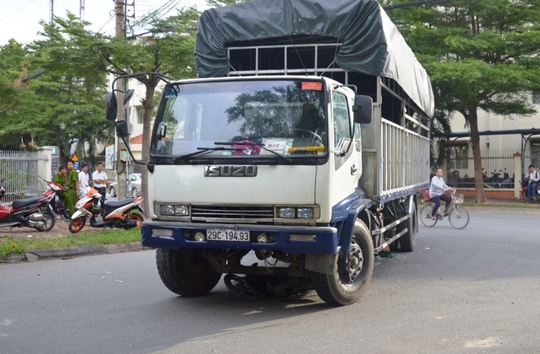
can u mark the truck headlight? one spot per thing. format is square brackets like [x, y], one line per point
[304, 213]
[174, 210]
[166, 210]
[286, 213]
[181, 210]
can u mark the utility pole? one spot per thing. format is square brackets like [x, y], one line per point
[121, 154]
[81, 10]
[52, 12]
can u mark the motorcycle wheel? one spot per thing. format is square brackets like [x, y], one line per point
[76, 225]
[48, 222]
[137, 218]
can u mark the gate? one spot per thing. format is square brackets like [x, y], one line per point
[19, 174]
[498, 169]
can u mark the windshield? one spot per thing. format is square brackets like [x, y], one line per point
[241, 118]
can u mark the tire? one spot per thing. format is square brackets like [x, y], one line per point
[64, 213]
[407, 240]
[136, 217]
[134, 192]
[186, 272]
[459, 217]
[48, 222]
[346, 286]
[76, 225]
[425, 216]
[112, 192]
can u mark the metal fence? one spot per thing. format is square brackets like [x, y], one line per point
[19, 174]
[498, 169]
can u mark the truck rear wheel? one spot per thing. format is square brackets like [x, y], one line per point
[407, 240]
[186, 272]
[351, 275]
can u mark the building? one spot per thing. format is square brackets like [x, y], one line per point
[503, 139]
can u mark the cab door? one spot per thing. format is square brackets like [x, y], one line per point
[345, 154]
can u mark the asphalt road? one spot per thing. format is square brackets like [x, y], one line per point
[461, 291]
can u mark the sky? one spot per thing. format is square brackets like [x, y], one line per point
[19, 19]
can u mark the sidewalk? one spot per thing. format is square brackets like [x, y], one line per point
[515, 203]
[71, 252]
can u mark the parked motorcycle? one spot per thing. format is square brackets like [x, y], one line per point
[57, 204]
[507, 181]
[124, 214]
[27, 212]
[496, 178]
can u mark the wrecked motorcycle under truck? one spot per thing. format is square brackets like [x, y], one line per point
[296, 155]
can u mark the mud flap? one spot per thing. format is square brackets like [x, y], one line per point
[321, 263]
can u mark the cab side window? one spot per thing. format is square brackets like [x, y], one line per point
[342, 125]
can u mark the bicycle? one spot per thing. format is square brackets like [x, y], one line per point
[457, 214]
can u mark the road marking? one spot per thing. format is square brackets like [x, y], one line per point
[489, 342]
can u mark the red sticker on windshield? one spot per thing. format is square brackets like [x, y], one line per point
[311, 85]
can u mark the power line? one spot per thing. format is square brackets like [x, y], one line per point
[113, 15]
[3, 18]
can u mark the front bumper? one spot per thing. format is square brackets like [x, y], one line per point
[325, 241]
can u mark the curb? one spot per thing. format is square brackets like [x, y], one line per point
[71, 252]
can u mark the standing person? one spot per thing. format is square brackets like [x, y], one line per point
[61, 177]
[73, 187]
[100, 180]
[532, 178]
[83, 180]
[436, 193]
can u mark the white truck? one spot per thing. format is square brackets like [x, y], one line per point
[296, 155]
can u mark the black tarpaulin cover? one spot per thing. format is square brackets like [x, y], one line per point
[371, 43]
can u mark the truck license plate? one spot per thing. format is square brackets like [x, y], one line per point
[227, 235]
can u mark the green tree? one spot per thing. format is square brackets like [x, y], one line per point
[14, 93]
[166, 48]
[50, 96]
[12, 67]
[68, 100]
[480, 54]
[220, 3]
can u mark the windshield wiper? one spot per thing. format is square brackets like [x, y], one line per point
[253, 144]
[202, 151]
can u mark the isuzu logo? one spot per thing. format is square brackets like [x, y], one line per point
[230, 171]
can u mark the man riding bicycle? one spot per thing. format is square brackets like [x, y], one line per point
[436, 193]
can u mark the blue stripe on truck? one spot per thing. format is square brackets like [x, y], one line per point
[344, 216]
[326, 241]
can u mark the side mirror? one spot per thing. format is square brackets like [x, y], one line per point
[111, 106]
[128, 96]
[122, 129]
[161, 130]
[363, 109]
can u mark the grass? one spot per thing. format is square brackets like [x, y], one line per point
[106, 237]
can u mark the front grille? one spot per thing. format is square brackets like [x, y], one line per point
[216, 213]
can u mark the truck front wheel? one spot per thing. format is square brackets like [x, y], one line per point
[352, 274]
[186, 272]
